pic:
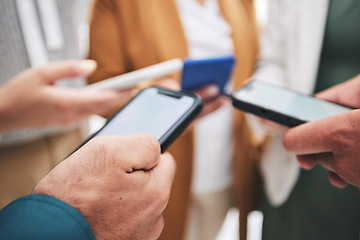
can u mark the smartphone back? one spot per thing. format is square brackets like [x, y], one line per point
[201, 72]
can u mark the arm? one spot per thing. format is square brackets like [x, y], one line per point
[30, 99]
[332, 142]
[120, 184]
[42, 217]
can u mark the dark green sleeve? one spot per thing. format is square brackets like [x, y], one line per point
[42, 217]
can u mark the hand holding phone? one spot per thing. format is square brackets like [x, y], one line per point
[282, 105]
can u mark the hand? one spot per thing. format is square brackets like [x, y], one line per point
[169, 83]
[31, 100]
[121, 184]
[333, 142]
[210, 95]
[211, 98]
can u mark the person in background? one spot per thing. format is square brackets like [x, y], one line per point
[105, 190]
[33, 33]
[307, 46]
[128, 35]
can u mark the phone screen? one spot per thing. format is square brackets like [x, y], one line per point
[152, 111]
[288, 102]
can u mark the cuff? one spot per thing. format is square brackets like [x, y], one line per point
[43, 217]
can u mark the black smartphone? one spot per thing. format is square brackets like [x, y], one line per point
[159, 111]
[283, 105]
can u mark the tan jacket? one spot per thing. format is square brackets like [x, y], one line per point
[130, 34]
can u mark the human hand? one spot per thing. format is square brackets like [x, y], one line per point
[210, 95]
[212, 99]
[169, 83]
[121, 184]
[30, 99]
[332, 142]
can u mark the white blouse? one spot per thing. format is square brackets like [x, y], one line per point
[209, 35]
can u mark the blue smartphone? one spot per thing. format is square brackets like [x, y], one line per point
[200, 72]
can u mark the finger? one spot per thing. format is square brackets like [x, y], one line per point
[312, 137]
[144, 151]
[169, 83]
[208, 93]
[87, 101]
[64, 69]
[165, 171]
[309, 161]
[131, 152]
[306, 161]
[336, 93]
[212, 106]
[336, 180]
[326, 160]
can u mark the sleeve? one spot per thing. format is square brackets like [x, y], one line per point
[106, 43]
[271, 65]
[43, 217]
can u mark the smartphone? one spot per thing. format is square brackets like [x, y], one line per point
[200, 72]
[282, 105]
[131, 79]
[159, 111]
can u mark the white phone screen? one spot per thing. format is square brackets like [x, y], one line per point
[149, 112]
[288, 102]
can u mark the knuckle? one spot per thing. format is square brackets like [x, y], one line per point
[98, 147]
[152, 144]
[39, 73]
[287, 142]
[62, 107]
[159, 226]
[338, 140]
[97, 143]
[72, 67]
[162, 198]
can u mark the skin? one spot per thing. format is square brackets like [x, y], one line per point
[39, 103]
[332, 142]
[201, 1]
[212, 99]
[121, 184]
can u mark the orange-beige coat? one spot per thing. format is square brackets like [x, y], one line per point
[130, 34]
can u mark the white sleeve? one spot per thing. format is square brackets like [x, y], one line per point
[271, 66]
[279, 169]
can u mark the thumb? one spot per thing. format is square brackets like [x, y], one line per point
[52, 72]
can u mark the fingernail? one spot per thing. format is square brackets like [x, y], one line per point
[87, 66]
